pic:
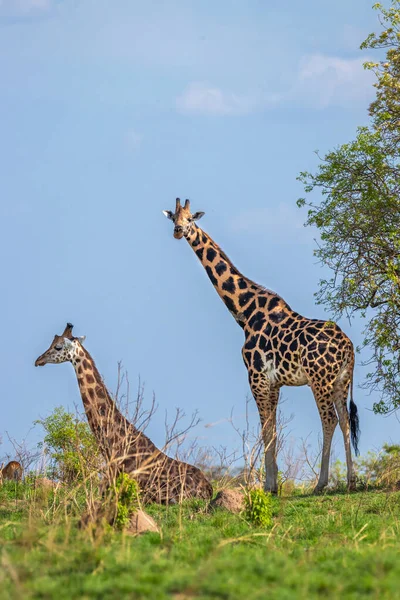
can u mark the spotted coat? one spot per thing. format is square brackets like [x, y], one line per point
[281, 347]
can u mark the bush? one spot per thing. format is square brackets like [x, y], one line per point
[126, 496]
[383, 469]
[72, 447]
[258, 507]
[374, 470]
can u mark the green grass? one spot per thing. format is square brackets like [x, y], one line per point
[333, 546]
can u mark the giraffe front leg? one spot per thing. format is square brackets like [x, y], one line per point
[269, 438]
[266, 397]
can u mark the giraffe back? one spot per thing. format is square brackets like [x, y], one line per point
[163, 479]
[170, 481]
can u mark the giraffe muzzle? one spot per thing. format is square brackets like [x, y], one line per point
[178, 232]
[40, 362]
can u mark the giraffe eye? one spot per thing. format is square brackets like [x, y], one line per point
[58, 347]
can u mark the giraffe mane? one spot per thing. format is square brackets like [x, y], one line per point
[230, 263]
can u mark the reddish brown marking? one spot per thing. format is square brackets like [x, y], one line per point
[100, 391]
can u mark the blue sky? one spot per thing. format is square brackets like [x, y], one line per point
[111, 110]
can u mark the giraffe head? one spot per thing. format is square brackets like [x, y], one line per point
[62, 349]
[182, 218]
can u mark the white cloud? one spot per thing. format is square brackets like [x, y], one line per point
[200, 98]
[324, 81]
[36, 4]
[320, 81]
[352, 36]
[281, 222]
[133, 139]
[22, 8]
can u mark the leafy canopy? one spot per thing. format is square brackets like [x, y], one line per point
[358, 216]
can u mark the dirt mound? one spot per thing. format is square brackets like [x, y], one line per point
[140, 523]
[46, 483]
[232, 500]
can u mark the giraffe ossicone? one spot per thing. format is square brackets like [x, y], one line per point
[161, 478]
[281, 347]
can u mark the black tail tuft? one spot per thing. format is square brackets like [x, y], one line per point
[354, 426]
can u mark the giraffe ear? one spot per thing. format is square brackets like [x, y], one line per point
[68, 342]
[198, 215]
[81, 339]
[169, 214]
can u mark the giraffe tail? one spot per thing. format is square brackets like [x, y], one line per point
[354, 421]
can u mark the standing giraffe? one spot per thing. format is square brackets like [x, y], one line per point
[162, 479]
[281, 348]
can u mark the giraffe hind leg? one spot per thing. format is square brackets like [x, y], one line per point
[340, 393]
[329, 421]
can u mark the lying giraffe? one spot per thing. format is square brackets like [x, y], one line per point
[162, 479]
[13, 470]
[281, 348]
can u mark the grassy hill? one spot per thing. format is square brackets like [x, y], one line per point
[331, 546]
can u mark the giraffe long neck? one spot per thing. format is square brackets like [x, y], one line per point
[240, 295]
[119, 440]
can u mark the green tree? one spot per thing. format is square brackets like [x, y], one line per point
[385, 109]
[71, 446]
[358, 218]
